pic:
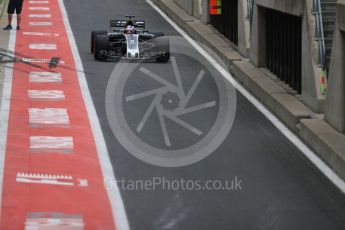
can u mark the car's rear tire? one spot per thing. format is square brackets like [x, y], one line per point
[163, 49]
[101, 47]
[164, 58]
[93, 38]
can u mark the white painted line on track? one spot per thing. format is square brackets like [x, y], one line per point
[45, 77]
[42, 60]
[40, 15]
[47, 34]
[46, 95]
[40, 23]
[57, 117]
[119, 213]
[42, 46]
[61, 221]
[51, 144]
[322, 166]
[37, 33]
[5, 107]
[39, 2]
[40, 178]
[39, 8]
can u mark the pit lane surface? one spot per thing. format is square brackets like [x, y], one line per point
[281, 189]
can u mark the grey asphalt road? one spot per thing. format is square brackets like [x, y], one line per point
[280, 188]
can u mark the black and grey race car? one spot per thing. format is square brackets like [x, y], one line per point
[128, 38]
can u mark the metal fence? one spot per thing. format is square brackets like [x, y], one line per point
[227, 22]
[250, 10]
[284, 47]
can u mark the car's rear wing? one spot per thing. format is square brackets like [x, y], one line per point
[122, 23]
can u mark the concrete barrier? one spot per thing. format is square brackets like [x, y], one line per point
[187, 5]
[335, 100]
[205, 15]
[243, 29]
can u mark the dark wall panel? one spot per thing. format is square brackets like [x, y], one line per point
[283, 44]
[227, 22]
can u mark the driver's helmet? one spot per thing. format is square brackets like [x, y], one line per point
[129, 30]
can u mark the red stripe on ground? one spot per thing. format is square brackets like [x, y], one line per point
[21, 199]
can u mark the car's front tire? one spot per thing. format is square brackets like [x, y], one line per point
[93, 38]
[101, 47]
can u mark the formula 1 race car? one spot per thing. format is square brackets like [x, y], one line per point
[128, 38]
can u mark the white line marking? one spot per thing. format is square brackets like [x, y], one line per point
[33, 178]
[119, 213]
[5, 107]
[51, 144]
[48, 117]
[39, 8]
[53, 223]
[42, 60]
[40, 23]
[37, 33]
[36, 221]
[36, 60]
[40, 15]
[322, 166]
[45, 77]
[41, 34]
[42, 46]
[39, 2]
[46, 95]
